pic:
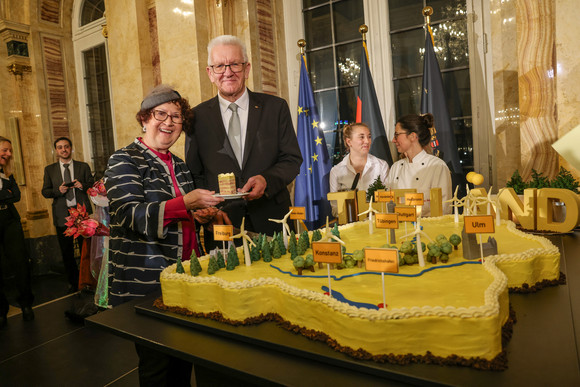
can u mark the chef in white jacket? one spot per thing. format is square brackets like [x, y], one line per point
[418, 168]
[357, 138]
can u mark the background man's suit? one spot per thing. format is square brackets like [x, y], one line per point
[271, 150]
[50, 189]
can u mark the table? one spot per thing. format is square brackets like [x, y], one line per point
[544, 349]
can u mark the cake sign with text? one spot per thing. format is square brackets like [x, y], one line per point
[481, 224]
[414, 199]
[327, 252]
[387, 221]
[384, 196]
[382, 260]
[406, 214]
[223, 232]
[298, 213]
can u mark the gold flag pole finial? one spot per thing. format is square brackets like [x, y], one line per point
[301, 43]
[427, 12]
[363, 29]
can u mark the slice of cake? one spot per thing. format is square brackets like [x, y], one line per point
[227, 183]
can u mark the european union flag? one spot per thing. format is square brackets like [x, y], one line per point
[312, 182]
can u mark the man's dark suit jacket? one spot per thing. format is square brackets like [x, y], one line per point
[271, 150]
[53, 179]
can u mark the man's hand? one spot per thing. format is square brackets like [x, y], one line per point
[220, 218]
[201, 198]
[205, 214]
[77, 184]
[63, 188]
[256, 185]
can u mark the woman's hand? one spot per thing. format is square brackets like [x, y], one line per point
[201, 198]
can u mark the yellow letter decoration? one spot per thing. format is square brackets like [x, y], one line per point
[436, 198]
[525, 212]
[545, 201]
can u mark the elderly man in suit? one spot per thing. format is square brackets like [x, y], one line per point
[67, 182]
[247, 133]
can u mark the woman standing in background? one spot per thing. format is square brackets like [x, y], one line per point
[12, 238]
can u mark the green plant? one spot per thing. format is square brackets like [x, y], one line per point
[538, 181]
[565, 180]
[376, 185]
[517, 183]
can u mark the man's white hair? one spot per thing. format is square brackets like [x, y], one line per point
[226, 40]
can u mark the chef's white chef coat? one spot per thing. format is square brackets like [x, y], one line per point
[425, 172]
[342, 176]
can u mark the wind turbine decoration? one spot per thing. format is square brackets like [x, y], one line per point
[466, 206]
[285, 228]
[417, 233]
[245, 239]
[455, 203]
[328, 235]
[497, 207]
[370, 211]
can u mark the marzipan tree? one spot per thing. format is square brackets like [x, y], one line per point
[316, 235]
[233, 255]
[179, 269]
[212, 266]
[302, 244]
[266, 251]
[254, 253]
[194, 265]
[281, 244]
[220, 260]
[276, 253]
[305, 236]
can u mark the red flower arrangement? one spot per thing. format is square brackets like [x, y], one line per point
[97, 189]
[80, 224]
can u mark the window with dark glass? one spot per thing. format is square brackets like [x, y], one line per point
[333, 49]
[92, 10]
[98, 107]
[449, 25]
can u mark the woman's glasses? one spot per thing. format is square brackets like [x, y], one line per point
[160, 115]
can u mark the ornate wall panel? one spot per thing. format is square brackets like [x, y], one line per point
[55, 84]
[267, 44]
[50, 11]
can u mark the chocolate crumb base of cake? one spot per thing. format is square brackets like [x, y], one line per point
[525, 288]
[499, 363]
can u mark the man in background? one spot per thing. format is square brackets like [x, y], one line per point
[67, 182]
[247, 133]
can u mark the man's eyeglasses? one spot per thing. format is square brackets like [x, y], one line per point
[235, 67]
[399, 133]
[160, 115]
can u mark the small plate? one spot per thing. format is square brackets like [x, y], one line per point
[233, 196]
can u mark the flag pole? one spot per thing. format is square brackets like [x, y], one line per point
[302, 44]
[363, 29]
[427, 12]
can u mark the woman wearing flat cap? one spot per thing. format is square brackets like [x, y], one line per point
[153, 205]
[151, 200]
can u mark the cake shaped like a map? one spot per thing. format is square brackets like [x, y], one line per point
[445, 311]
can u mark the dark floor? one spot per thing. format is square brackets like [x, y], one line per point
[53, 350]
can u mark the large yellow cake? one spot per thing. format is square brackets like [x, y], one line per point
[447, 311]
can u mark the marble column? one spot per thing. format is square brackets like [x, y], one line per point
[537, 86]
[505, 89]
[568, 71]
